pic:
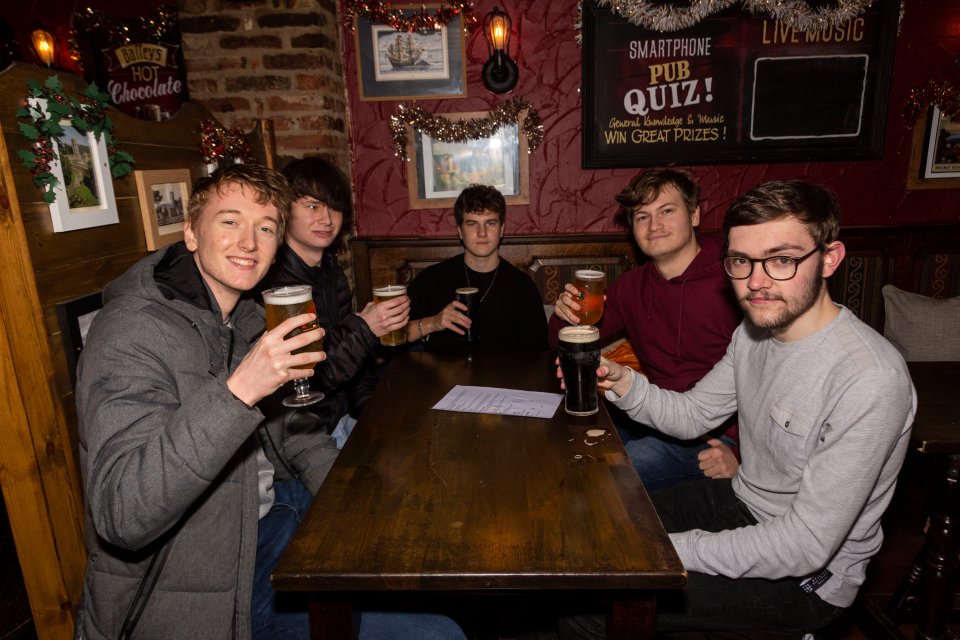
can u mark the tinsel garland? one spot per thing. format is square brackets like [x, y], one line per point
[217, 142]
[941, 94]
[86, 113]
[447, 130]
[406, 19]
[150, 28]
[797, 14]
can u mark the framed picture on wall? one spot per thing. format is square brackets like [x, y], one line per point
[400, 65]
[75, 317]
[438, 171]
[83, 195]
[935, 156]
[163, 203]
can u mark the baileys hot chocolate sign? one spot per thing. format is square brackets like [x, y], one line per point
[145, 80]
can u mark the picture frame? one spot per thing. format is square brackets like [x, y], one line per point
[164, 195]
[438, 171]
[397, 65]
[75, 317]
[83, 196]
[935, 153]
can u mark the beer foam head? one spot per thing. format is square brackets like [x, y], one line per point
[465, 291]
[295, 294]
[577, 334]
[390, 291]
[588, 274]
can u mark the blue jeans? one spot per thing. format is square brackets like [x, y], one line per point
[283, 616]
[660, 460]
[753, 607]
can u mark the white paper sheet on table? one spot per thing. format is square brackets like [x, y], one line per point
[510, 402]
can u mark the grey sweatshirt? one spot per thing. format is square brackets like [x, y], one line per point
[824, 426]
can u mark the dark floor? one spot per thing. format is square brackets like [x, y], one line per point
[903, 525]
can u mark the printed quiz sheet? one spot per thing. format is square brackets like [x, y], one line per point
[510, 402]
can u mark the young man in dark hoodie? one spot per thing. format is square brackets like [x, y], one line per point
[677, 310]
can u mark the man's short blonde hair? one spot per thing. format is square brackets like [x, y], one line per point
[268, 187]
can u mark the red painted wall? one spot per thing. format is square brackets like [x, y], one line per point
[567, 199]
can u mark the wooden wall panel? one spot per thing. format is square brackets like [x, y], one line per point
[38, 269]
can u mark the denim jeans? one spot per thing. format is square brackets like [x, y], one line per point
[283, 616]
[660, 460]
[741, 608]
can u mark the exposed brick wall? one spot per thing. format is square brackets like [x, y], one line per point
[276, 59]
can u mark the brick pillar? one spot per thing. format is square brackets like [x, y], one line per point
[277, 59]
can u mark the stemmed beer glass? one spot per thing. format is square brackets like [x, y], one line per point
[286, 302]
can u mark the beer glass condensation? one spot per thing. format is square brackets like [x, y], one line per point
[469, 297]
[396, 337]
[591, 284]
[579, 349]
[286, 302]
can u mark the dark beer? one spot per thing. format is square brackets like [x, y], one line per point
[470, 298]
[579, 358]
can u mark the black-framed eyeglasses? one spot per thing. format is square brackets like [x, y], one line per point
[777, 267]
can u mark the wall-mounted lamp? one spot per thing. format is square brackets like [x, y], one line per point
[43, 45]
[500, 73]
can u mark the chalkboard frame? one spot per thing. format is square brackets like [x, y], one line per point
[597, 108]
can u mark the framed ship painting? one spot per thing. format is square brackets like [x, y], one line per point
[401, 65]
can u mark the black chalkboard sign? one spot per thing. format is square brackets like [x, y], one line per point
[734, 88]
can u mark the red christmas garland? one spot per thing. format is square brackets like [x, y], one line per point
[216, 143]
[941, 94]
[410, 20]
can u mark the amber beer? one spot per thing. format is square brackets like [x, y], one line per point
[396, 337]
[470, 298]
[286, 302]
[591, 285]
[579, 358]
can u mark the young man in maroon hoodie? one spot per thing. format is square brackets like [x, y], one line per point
[677, 310]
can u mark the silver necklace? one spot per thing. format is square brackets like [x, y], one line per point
[466, 273]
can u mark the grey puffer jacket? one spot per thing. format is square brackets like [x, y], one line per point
[168, 456]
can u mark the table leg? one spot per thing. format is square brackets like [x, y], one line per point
[633, 617]
[330, 620]
[939, 569]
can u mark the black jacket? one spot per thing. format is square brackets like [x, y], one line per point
[348, 375]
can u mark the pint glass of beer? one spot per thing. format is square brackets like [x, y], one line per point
[396, 337]
[286, 302]
[591, 285]
[470, 298]
[579, 358]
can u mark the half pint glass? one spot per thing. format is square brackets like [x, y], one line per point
[470, 298]
[591, 285]
[579, 358]
[396, 337]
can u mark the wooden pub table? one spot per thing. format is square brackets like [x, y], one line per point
[426, 502]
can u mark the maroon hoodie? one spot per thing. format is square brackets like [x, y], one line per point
[679, 328]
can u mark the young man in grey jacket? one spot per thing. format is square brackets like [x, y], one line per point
[825, 407]
[183, 513]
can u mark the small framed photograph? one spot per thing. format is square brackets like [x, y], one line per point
[438, 171]
[83, 196]
[400, 65]
[935, 157]
[163, 204]
[75, 317]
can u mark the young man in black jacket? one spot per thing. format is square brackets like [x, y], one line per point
[321, 209]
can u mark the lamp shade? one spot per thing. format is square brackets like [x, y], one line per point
[44, 45]
[497, 25]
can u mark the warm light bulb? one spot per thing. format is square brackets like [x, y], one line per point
[43, 44]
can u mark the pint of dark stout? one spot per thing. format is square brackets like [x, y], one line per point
[470, 298]
[579, 358]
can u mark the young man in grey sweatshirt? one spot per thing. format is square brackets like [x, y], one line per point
[825, 407]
